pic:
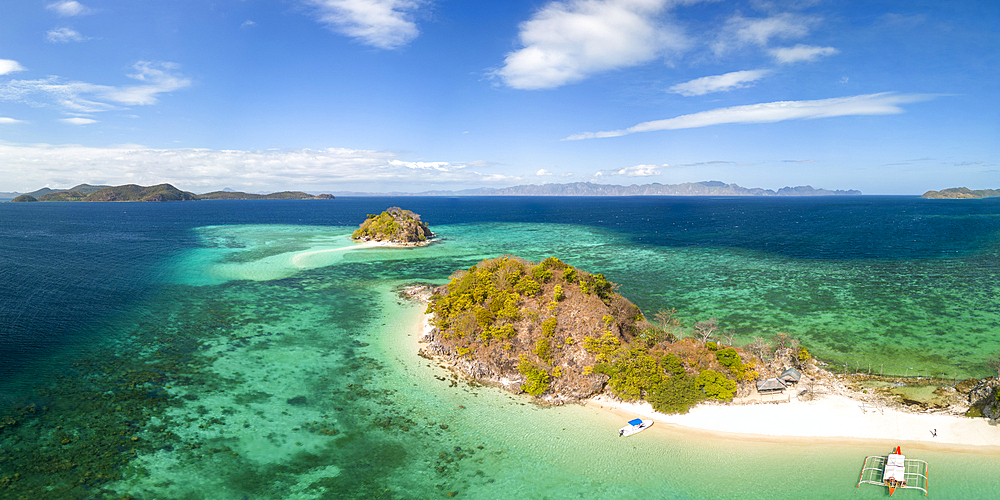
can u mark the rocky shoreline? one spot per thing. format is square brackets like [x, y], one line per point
[971, 397]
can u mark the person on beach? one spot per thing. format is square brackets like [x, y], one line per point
[934, 433]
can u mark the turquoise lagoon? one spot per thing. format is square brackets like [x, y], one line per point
[279, 361]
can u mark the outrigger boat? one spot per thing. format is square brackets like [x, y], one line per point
[894, 471]
[634, 426]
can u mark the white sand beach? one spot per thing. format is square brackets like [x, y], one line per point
[828, 416]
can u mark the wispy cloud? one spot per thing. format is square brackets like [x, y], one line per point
[741, 31]
[8, 120]
[567, 41]
[64, 35]
[718, 83]
[384, 24]
[797, 161]
[78, 121]
[69, 8]
[885, 103]
[543, 172]
[248, 24]
[800, 52]
[9, 66]
[207, 169]
[705, 163]
[636, 171]
[81, 97]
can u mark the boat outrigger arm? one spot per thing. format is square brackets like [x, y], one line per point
[894, 471]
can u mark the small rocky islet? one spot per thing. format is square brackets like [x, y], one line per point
[394, 226]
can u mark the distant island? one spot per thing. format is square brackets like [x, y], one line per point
[394, 226]
[961, 193]
[160, 192]
[704, 188]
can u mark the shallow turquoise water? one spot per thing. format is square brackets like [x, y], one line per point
[318, 342]
[277, 361]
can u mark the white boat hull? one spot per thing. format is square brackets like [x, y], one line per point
[629, 430]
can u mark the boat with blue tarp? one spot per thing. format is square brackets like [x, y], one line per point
[634, 426]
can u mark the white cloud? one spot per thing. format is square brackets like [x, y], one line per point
[81, 97]
[248, 24]
[202, 170]
[384, 24]
[567, 41]
[64, 35]
[542, 172]
[718, 83]
[78, 121]
[7, 120]
[636, 171]
[800, 52]
[885, 103]
[69, 8]
[740, 31]
[440, 166]
[9, 66]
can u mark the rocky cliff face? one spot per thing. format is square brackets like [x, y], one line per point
[986, 396]
[394, 225]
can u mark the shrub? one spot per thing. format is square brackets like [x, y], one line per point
[676, 394]
[729, 358]
[716, 385]
[549, 327]
[528, 286]
[570, 274]
[804, 354]
[712, 346]
[537, 380]
[672, 364]
[557, 291]
[634, 374]
[543, 349]
[554, 263]
[540, 273]
[483, 316]
[651, 336]
[603, 348]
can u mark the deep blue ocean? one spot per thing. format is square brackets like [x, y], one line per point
[908, 284]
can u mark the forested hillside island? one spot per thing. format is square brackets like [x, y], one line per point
[564, 335]
[394, 225]
[961, 193]
[160, 192]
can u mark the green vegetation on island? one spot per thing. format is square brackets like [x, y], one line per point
[160, 192]
[563, 334]
[283, 195]
[394, 225]
[961, 193]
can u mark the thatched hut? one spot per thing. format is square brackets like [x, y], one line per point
[770, 386]
[790, 376]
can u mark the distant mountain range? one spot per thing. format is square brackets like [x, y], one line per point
[706, 188]
[166, 192]
[161, 192]
[961, 193]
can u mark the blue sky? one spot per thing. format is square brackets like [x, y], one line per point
[889, 97]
